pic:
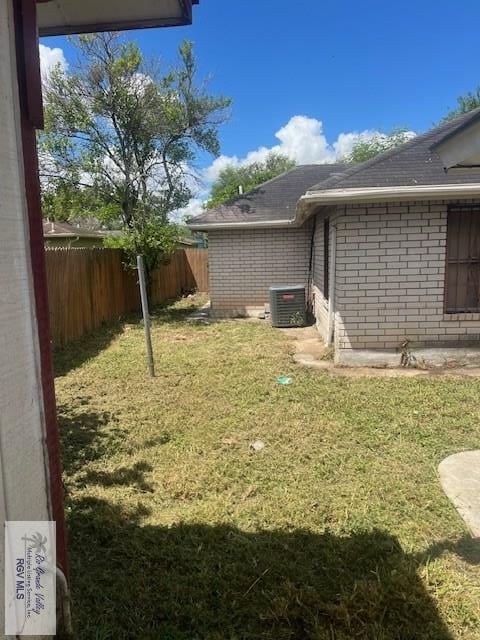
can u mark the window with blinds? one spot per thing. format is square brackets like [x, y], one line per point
[462, 285]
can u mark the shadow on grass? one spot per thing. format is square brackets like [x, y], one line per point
[173, 311]
[467, 548]
[73, 355]
[84, 436]
[124, 476]
[194, 581]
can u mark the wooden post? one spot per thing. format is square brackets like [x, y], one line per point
[146, 315]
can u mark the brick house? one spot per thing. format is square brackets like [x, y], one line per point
[389, 251]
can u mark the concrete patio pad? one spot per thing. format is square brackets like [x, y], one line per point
[310, 352]
[460, 480]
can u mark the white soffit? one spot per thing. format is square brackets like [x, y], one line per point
[461, 150]
[57, 17]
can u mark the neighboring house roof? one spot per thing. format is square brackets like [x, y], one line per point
[188, 242]
[52, 230]
[271, 203]
[66, 230]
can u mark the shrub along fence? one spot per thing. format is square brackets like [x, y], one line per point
[88, 287]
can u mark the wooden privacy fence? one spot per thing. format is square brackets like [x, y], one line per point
[88, 287]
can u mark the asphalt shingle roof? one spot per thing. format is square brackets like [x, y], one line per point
[273, 200]
[414, 163]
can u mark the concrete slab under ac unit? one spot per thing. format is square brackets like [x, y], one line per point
[239, 312]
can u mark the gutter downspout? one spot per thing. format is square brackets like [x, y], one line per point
[310, 304]
[331, 285]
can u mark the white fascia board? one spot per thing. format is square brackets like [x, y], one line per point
[384, 194]
[265, 224]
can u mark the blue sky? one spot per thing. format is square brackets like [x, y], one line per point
[351, 66]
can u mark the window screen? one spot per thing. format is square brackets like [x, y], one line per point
[463, 260]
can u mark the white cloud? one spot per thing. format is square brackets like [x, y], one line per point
[138, 83]
[302, 139]
[345, 142]
[49, 58]
[212, 172]
[193, 208]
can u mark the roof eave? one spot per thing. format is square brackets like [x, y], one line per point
[259, 224]
[50, 236]
[460, 148]
[52, 20]
[313, 199]
[383, 194]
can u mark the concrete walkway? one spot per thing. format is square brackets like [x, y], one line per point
[460, 480]
[310, 352]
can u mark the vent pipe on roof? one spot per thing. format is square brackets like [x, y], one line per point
[240, 190]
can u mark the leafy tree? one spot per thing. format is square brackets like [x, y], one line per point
[120, 136]
[226, 187]
[158, 241]
[66, 202]
[465, 103]
[366, 149]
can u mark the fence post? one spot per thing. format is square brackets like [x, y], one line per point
[146, 314]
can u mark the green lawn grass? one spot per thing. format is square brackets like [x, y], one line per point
[336, 529]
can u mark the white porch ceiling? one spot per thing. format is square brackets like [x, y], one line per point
[57, 17]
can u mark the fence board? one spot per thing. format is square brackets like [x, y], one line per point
[196, 264]
[89, 287]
